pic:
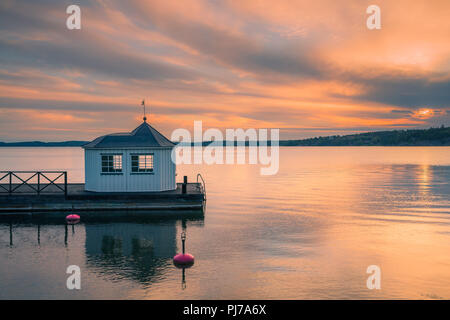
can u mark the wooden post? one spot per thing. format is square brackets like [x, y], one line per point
[65, 184]
[10, 183]
[39, 183]
[184, 185]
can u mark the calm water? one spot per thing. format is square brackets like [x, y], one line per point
[309, 232]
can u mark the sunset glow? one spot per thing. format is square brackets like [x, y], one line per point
[307, 68]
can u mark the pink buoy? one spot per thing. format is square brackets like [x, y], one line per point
[73, 218]
[183, 260]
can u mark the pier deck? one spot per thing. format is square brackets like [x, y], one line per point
[26, 201]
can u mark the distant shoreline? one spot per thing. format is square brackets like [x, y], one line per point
[246, 146]
[431, 137]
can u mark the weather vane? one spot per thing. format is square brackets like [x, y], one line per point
[143, 103]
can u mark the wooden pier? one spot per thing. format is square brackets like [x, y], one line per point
[125, 172]
[28, 198]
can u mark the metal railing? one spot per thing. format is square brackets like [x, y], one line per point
[202, 185]
[33, 181]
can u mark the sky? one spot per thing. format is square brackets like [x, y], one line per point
[309, 68]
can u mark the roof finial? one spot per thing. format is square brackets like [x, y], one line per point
[143, 103]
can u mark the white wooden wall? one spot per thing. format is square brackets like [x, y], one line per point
[162, 179]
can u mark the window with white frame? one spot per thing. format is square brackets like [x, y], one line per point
[111, 163]
[141, 163]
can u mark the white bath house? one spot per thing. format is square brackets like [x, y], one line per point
[138, 161]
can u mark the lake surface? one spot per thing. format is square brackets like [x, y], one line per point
[309, 232]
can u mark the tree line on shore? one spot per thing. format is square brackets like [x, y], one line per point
[412, 137]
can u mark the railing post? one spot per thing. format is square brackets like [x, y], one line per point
[39, 183]
[65, 184]
[10, 183]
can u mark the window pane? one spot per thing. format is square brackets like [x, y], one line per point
[112, 163]
[142, 163]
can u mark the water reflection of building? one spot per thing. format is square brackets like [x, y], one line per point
[132, 250]
[138, 251]
[131, 238]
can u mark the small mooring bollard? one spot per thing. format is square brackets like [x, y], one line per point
[184, 185]
[183, 260]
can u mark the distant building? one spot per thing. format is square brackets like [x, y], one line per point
[138, 161]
